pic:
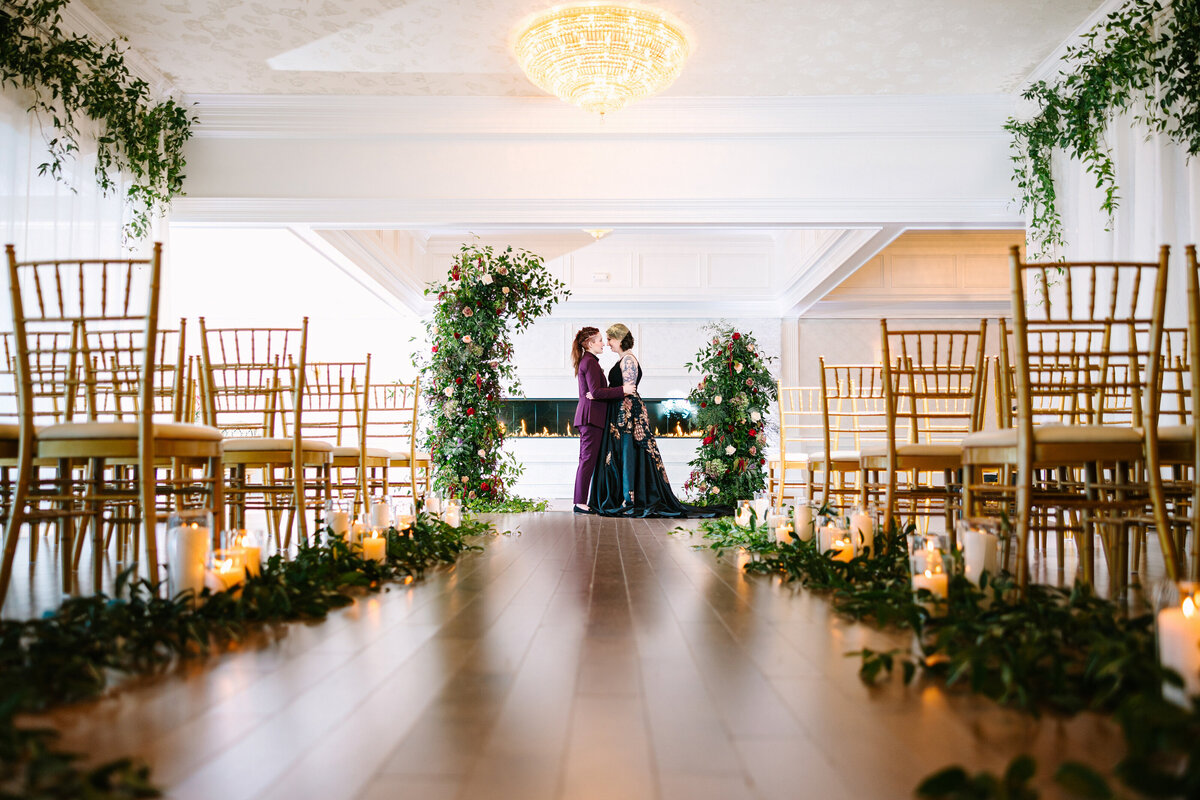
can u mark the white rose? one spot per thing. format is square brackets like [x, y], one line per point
[504, 289]
[730, 450]
[467, 339]
[754, 415]
[482, 454]
[717, 399]
[487, 279]
[715, 490]
[448, 391]
[737, 367]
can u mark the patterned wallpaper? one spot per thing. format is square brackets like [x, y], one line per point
[461, 47]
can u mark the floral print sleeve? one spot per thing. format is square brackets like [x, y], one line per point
[629, 369]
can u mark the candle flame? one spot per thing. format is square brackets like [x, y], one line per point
[928, 573]
[223, 564]
[1189, 607]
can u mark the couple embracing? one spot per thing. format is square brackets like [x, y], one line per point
[621, 471]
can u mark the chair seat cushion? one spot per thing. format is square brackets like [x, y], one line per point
[10, 431]
[257, 445]
[838, 455]
[127, 430]
[372, 452]
[1057, 434]
[403, 457]
[916, 450]
[1167, 433]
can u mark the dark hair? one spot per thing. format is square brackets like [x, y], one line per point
[577, 348]
[627, 342]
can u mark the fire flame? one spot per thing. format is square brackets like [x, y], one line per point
[1189, 607]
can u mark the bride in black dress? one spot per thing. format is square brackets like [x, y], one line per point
[630, 478]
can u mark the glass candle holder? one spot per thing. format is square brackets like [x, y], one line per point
[452, 515]
[981, 541]
[929, 564]
[862, 525]
[830, 530]
[374, 546]
[1177, 630]
[337, 518]
[251, 543]
[402, 512]
[743, 515]
[380, 513]
[762, 504]
[226, 569]
[189, 542]
[804, 515]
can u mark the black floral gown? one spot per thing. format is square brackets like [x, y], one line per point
[630, 479]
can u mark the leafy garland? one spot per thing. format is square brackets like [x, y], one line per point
[734, 397]
[72, 77]
[1136, 59]
[485, 298]
[1055, 650]
[68, 656]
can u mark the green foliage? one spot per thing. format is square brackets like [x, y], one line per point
[486, 297]
[734, 398]
[1137, 60]
[69, 656]
[724, 534]
[71, 77]
[953, 783]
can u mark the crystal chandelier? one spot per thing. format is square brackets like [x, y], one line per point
[601, 56]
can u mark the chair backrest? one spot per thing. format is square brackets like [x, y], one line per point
[335, 402]
[392, 423]
[58, 306]
[935, 382]
[252, 380]
[853, 405]
[801, 424]
[1093, 340]
[1175, 406]
[110, 380]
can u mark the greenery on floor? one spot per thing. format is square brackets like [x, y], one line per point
[77, 84]
[1140, 60]
[1054, 650]
[72, 654]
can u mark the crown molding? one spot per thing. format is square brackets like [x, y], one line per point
[80, 19]
[958, 307]
[421, 214]
[373, 117]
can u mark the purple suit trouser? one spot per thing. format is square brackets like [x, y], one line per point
[589, 449]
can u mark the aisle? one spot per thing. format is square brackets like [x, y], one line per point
[585, 658]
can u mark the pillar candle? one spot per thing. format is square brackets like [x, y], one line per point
[452, 516]
[252, 561]
[339, 522]
[1179, 648]
[357, 532]
[843, 548]
[981, 551]
[802, 514]
[936, 582]
[743, 514]
[229, 569]
[863, 529]
[761, 505]
[433, 504]
[375, 547]
[783, 533]
[381, 515]
[187, 558]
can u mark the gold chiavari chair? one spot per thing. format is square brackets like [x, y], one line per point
[1095, 338]
[1175, 438]
[110, 310]
[853, 415]
[801, 431]
[392, 424]
[185, 474]
[252, 382]
[336, 410]
[935, 388]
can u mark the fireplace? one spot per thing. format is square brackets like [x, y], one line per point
[553, 418]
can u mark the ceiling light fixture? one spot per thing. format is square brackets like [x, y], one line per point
[601, 56]
[598, 233]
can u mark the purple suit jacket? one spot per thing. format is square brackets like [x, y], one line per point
[591, 379]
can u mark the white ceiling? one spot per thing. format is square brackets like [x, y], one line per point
[741, 48]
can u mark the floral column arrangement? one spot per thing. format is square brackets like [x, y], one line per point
[485, 298]
[734, 397]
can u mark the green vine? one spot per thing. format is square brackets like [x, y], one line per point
[70, 655]
[1053, 651]
[71, 77]
[1141, 58]
[485, 298]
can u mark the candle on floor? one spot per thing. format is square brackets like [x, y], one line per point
[863, 529]
[187, 557]
[927, 565]
[981, 550]
[357, 531]
[375, 547]
[742, 518]
[762, 503]
[249, 543]
[339, 523]
[228, 569]
[783, 533]
[433, 504]
[827, 535]
[381, 514]
[452, 516]
[843, 547]
[1179, 647]
[802, 514]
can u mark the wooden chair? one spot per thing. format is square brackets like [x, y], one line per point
[252, 382]
[336, 410]
[87, 299]
[801, 431]
[853, 415]
[935, 387]
[1087, 344]
[392, 425]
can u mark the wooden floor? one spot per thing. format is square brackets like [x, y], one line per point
[584, 658]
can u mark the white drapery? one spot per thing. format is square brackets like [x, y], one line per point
[45, 217]
[1159, 191]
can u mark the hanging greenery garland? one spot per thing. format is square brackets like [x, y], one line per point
[486, 297]
[1140, 59]
[734, 397]
[71, 78]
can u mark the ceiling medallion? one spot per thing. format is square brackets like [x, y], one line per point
[601, 56]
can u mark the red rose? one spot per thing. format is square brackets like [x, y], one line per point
[708, 440]
[435, 348]
[484, 487]
[736, 336]
[470, 412]
[458, 381]
[704, 405]
[762, 461]
[458, 336]
[753, 432]
[490, 398]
